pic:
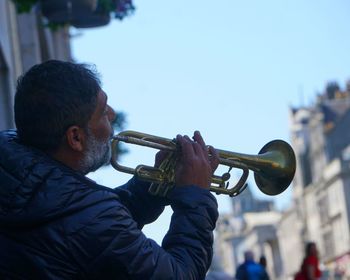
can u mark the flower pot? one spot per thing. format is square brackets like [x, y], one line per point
[92, 20]
[99, 17]
[63, 11]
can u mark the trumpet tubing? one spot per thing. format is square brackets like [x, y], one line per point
[274, 166]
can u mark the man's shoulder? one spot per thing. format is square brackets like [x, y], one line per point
[11, 147]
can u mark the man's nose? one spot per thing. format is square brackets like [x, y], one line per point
[111, 114]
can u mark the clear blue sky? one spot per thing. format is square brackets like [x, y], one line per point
[231, 69]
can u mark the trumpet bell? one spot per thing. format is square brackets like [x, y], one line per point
[275, 179]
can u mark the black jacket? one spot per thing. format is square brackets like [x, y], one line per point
[58, 224]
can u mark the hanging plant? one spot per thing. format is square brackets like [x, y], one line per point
[118, 8]
[64, 11]
[96, 12]
[105, 9]
[24, 6]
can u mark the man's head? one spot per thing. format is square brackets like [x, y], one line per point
[248, 256]
[61, 109]
[263, 261]
[311, 249]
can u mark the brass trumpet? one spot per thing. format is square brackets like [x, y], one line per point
[273, 167]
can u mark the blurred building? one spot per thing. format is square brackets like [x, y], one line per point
[321, 139]
[320, 212]
[24, 41]
[246, 203]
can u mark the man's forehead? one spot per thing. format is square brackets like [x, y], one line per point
[103, 97]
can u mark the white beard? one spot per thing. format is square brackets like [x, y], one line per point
[98, 154]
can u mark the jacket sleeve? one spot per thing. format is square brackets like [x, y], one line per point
[135, 196]
[186, 252]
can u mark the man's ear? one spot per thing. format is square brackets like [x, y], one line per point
[75, 136]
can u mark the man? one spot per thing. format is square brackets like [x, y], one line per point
[55, 223]
[250, 270]
[263, 263]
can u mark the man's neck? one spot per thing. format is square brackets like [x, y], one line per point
[69, 158]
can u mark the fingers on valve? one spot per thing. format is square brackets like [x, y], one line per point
[197, 137]
[214, 158]
[186, 146]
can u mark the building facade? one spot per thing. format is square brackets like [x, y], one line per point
[320, 212]
[24, 41]
[321, 139]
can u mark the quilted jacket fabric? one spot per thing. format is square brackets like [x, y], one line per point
[58, 224]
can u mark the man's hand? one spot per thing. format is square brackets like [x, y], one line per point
[195, 166]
